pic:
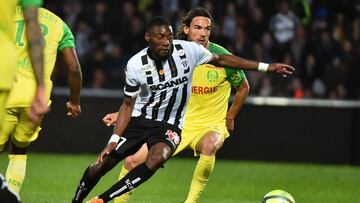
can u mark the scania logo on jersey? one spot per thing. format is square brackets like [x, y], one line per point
[168, 84]
[173, 137]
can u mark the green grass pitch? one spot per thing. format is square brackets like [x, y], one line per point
[52, 178]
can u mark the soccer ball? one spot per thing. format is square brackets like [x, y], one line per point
[278, 196]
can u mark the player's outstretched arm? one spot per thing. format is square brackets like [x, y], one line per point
[122, 121]
[75, 81]
[39, 105]
[231, 61]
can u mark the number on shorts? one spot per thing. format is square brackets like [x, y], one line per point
[122, 141]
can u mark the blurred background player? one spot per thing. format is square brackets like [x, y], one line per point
[17, 126]
[8, 63]
[207, 120]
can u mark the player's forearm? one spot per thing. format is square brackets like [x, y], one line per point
[35, 43]
[75, 83]
[74, 73]
[239, 99]
[124, 115]
[231, 61]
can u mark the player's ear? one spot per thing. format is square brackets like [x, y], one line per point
[186, 29]
[147, 36]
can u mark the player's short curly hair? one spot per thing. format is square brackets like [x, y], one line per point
[157, 21]
[186, 21]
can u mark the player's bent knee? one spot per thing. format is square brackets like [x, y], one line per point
[131, 162]
[210, 148]
[156, 161]
[103, 167]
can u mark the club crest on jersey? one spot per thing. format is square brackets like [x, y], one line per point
[173, 137]
[212, 75]
[184, 62]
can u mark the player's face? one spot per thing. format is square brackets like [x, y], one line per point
[199, 30]
[160, 39]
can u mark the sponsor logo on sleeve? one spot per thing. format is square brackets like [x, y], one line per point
[173, 137]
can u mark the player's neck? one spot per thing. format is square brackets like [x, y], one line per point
[207, 44]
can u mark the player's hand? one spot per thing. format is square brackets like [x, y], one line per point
[106, 151]
[110, 118]
[280, 68]
[74, 110]
[230, 124]
[39, 105]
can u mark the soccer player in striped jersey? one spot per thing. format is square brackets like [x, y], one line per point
[158, 81]
[207, 120]
[17, 127]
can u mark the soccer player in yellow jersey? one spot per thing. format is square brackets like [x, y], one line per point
[17, 127]
[207, 118]
[8, 63]
[8, 53]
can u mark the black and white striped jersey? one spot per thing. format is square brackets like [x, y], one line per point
[163, 87]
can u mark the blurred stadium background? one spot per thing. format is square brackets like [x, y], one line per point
[319, 37]
[312, 116]
[309, 122]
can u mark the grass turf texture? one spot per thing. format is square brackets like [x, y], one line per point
[52, 178]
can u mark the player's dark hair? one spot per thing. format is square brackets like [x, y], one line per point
[157, 21]
[186, 21]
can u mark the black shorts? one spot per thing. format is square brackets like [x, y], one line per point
[141, 130]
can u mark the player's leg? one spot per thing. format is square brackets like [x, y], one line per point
[159, 153]
[133, 139]
[6, 195]
[208, 145]
[7, 127]
[92, 175]
[21, 136]
[162, 142]
[3, 98]
[130, 163]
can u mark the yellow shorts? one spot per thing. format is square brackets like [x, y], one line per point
[190, 136]
[18, 127]
[3, 97]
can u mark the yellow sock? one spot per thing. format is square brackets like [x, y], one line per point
[200, 178]
[125, 197]
[15, 172]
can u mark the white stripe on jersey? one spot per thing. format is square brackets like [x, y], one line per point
[164, 90]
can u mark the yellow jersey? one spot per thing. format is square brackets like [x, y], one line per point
[210, 92]
[57, 36]
[7, 49]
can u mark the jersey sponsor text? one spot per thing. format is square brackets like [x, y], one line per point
[203, 90]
